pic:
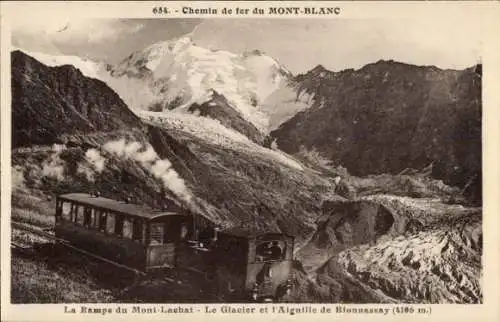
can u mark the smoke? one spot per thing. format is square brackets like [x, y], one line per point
[147, 156]
[162, 169]
[94, 157]
[58, 148]
[17, 177]
[94, 163]
[144, 154]
[53, 167]
[116, 147]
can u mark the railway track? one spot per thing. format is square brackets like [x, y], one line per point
[24, 248]
[51, 237]
[41, 232]
[20, 247]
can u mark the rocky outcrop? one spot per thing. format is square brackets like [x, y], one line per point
[218, 108]
[344, 224]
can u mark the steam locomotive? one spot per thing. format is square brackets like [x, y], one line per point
[242, 263]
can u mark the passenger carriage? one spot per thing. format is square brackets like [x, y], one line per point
[242, 263]
[129, 234]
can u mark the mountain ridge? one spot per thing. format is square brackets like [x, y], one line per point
[76, 109]
[366, 119]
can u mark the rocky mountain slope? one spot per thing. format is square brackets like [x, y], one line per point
[389, 116]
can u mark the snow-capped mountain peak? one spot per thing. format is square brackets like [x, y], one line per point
[180, 72]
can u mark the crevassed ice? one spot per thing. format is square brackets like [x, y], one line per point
[214, 132]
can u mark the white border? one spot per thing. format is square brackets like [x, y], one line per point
[484, 13]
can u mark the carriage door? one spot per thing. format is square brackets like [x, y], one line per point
[160, 254]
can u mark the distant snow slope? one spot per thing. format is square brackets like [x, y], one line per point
[283, 104]
[88, 67]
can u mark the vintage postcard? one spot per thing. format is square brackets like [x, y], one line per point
[250, 160]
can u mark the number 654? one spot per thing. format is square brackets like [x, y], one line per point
[160, 10]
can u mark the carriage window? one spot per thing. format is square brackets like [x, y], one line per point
[118, 225]
[127, 228]
[94, 216]
[184, 231]
[87, 217]
[79, 215]
[66, 211]
[110, 223]
[157, 233]
[172, 232]
[137, 230]
[270, 250]
[101, 220]
[73, 212]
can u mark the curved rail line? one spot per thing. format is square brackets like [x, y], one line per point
[45, 234]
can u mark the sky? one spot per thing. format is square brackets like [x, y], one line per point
[299, 44]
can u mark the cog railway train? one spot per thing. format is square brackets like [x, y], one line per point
[239, 262]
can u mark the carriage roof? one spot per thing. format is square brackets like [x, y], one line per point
[117, 206]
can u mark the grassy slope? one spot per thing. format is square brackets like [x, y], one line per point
[37, 281]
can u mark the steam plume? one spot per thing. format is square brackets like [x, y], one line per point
[95, 163]
[54, 167]
[17, 177]
[146, 156]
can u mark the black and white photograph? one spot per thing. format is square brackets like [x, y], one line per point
[259, 160]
